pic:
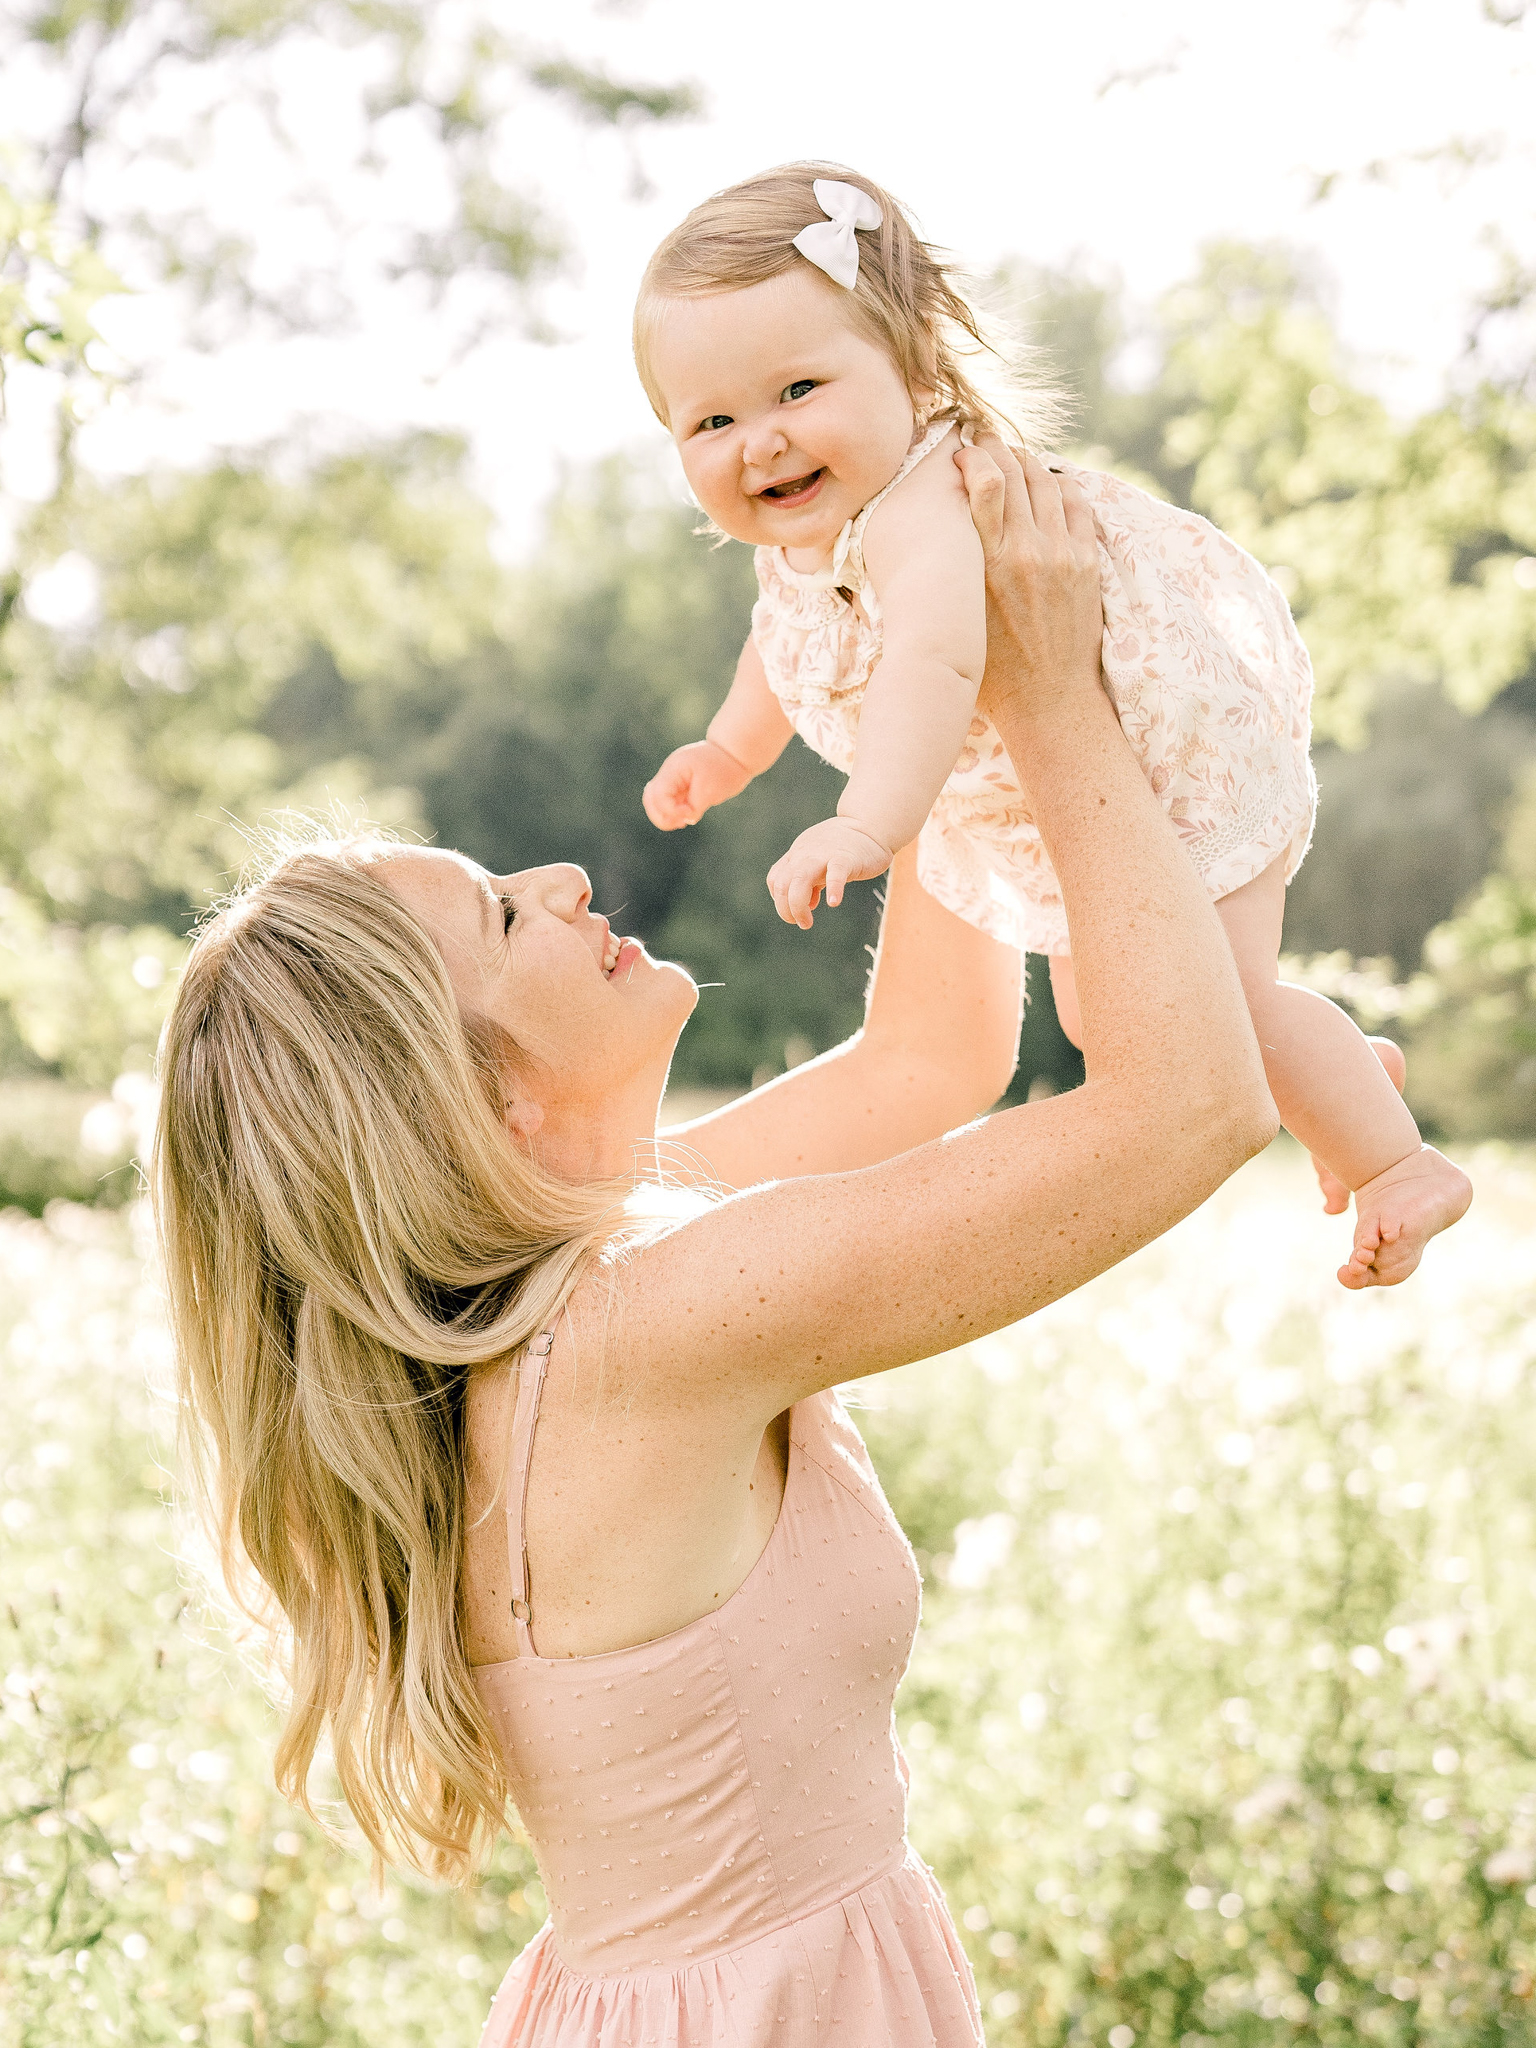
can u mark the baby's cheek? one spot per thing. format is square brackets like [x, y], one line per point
[715, 496]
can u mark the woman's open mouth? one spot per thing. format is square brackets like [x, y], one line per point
[795, 490]
[619, 954]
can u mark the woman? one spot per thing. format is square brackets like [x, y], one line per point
[404, 1104]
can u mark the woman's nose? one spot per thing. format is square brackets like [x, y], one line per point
[563, 889]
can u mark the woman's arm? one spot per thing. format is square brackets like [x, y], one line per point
[938, 1044]
[791, 1288]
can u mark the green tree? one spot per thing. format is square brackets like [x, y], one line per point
[49, 286]
[130, 87]
[134, 742]
[1400, 546]
[1407, 825]
[134, 748]
[1474, 1052]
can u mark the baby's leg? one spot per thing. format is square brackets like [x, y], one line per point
[1064, 995]
[1336, 1096]
[1335, 1193]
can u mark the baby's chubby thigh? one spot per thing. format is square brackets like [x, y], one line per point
[1064, 996]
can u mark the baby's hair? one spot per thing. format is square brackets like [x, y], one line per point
[907, 299]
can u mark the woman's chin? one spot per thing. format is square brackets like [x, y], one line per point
[687, 991]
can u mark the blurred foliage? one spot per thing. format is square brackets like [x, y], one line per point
[1221, 1716]
[57, 1141]
[133, 749]
[336, 632]
[1399, 545]
[1474, 1051]
[1407, 825]
[48, 284]
[434, 94]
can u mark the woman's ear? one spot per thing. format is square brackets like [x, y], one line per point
[522, 1116]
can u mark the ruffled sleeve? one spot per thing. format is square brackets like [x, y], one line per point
[816, 650]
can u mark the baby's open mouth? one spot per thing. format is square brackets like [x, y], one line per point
[793, 489]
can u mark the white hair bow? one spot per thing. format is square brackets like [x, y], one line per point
[830, 244]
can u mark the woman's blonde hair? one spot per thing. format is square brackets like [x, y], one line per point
[348, 1236]
[907, 300]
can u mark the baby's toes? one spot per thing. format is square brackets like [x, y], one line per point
[1335, 1191]
[1363, 1266]
[1357, 1272]
[1396, 1258]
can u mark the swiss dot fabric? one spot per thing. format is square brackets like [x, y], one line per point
[1202, 661]
[720, 1816]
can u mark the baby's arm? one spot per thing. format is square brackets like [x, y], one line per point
[746, 735]
[924, 560]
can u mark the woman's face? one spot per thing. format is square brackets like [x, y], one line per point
[595, 1013]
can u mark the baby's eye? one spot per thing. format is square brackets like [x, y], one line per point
[797, 390]
[715, 420]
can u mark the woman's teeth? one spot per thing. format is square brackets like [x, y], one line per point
[611, 953]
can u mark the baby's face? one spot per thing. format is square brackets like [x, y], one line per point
[787, 420]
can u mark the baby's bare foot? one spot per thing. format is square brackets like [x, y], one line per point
[1335, 1191]
[1398, 1212]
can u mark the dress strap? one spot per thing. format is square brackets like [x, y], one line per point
[532, 1364]
[846, 569]
[848, 549]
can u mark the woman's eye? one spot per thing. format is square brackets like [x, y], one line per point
[508, 912]
[716, 419]
[797, 390]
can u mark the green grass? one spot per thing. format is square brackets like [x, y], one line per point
[1222, 1720]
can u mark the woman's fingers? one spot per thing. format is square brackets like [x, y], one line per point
[986, 487]
[1045, 497]
[1079, 517]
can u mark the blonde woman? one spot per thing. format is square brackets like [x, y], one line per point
[554, 1508]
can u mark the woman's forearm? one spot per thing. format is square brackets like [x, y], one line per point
[937, 1047]
[1163, 1013]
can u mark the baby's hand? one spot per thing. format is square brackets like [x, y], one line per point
[691, 781]
[827, 856]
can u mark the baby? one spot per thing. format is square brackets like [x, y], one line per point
[815, 363]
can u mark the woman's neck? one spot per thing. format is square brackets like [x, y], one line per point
[611, 1137]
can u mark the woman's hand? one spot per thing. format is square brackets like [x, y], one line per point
[1045, 613]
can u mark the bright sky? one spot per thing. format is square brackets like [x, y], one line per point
[992, 120]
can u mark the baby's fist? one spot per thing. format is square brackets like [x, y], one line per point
[825, 856]
[691, 781]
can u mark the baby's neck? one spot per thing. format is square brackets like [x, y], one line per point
[807, 561]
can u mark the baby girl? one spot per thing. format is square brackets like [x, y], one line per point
[816, 365]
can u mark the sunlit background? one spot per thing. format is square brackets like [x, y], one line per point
[325, 481]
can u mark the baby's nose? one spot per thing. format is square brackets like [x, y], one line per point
[761, 447]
